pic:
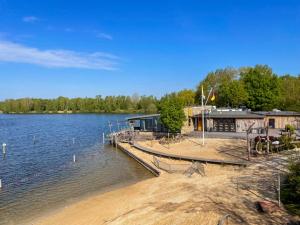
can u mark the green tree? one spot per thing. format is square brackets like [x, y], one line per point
[187, 96]
[290, 93]
[262, 87]
[232, 94]
[215, 80]
[171, 113]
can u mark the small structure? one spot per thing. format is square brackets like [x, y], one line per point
[147, 123]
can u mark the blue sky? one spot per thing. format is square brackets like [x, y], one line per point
[84, 48]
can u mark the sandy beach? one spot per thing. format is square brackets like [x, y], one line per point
[178, 199]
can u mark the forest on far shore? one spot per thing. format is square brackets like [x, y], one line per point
[256, 88]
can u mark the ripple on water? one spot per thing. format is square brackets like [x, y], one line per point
[38, 173]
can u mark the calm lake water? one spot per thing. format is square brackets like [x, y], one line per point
[38, 173]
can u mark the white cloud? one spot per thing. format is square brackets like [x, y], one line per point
[104, 36]
[29, 19]
[59, 58]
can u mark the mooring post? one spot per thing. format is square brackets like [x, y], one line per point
[4, 148]
[74, 158]
[0, 183]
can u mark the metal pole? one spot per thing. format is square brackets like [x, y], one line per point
[202, 115]
[268, 141]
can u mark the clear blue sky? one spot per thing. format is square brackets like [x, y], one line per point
[50, 48]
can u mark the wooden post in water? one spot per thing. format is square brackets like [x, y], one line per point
[4, 148]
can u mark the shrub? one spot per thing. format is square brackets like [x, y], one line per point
[290, 193]
[290, 128]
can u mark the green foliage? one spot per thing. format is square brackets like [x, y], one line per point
[171, 113]
[262, 87]
[290, 93]
[290, 128]
[290, 193]
[109, 104]
[215, 80]
[232, 94]
[187, 97]
[257, 87]
[286, 140]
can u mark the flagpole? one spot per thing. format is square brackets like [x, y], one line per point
[202, 116]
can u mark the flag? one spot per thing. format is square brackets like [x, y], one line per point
[213, 98]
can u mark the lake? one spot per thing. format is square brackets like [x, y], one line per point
[38, 172]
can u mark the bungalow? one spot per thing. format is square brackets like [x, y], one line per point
[220, 120]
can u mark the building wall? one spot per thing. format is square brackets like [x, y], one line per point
[282, 121]
[243, 124]
[240, 124]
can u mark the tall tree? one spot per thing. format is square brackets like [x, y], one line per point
[232, 94]
[215, 80]
[262, 87]
[187, 96]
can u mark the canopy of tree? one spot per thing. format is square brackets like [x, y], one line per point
[256, 88]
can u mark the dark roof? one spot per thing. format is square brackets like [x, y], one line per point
[277, 113]
[234, 115]
[143, 117]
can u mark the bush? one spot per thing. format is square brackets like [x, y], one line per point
[290, 128]
[286, 140]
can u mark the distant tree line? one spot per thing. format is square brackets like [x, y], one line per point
[256, 88]
[99, 104]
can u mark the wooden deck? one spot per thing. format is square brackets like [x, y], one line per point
[149, 167]
[188, 158]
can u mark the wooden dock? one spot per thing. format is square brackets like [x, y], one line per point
[188, 158]
[149, 167]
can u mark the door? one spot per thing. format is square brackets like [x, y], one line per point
[200, 123]
[272, 123]
[224, 125]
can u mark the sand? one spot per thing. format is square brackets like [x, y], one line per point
[178, 199]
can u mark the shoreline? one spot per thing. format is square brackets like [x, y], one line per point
[177, 199]
[77, 200]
